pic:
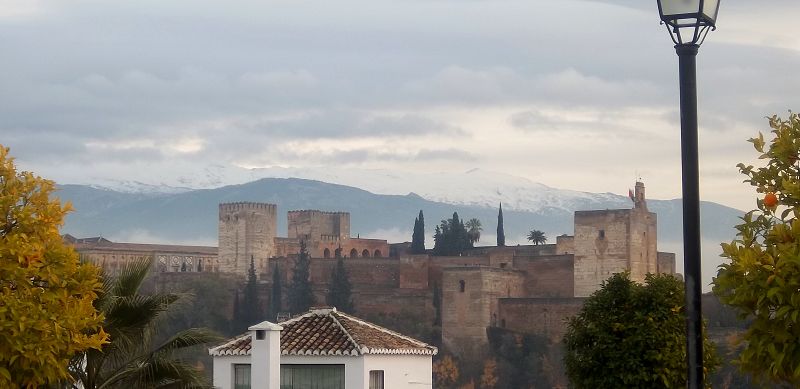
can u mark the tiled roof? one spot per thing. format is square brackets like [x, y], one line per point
[329, 332]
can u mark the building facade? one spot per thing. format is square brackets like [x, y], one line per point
[323, 349]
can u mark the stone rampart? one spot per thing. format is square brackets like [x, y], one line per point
[541, 316]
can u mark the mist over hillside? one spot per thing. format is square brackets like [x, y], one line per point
[190, 217]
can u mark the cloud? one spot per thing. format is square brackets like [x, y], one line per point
[394, 84]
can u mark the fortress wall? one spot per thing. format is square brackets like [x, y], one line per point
[414, 272]
[666, 262]
[246, 230]
[565, 244]
[547, 276]
[437, 264]
[601, 247]
[642, 244]
[470, 295]
[540, 316]
[315, 225]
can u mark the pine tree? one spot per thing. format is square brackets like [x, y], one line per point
[339, 295]
[301, 297]
[501, 234]
[276, 295]
[418, 238]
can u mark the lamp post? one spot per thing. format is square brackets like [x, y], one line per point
[688, 23]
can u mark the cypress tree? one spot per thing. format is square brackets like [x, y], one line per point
[418, 238]
[237, 322]
[339, 295]
[501, 234]
[276, 294]
[250, 312]
[301, 297]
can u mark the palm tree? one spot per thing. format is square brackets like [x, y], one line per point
[474, 229]
[131, 359]
[537, 237]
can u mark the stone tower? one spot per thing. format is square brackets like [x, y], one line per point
[315, 226]
[246, 230]
[613, 241]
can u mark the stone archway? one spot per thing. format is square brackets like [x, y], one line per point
[365, 253]
[326, 253]
[353, 253]
[377, 254]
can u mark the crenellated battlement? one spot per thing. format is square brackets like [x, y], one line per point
[247, 206]
[315, 211]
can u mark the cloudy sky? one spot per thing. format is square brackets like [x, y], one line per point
[573, 94]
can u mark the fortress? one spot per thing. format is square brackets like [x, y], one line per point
[525, 288]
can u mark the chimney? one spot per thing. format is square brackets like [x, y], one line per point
[265, 355]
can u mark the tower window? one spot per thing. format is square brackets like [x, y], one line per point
[462, 285]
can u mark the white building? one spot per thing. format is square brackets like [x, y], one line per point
[322, 349]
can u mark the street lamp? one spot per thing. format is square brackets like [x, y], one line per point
[688, 23]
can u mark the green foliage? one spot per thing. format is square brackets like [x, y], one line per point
[474, 229]
[762, 279]
[133, 359]
[251, 310]
[537, 237]
[632, 336]
[524, 359]
[301, 297]
[276, 295]
[339, 295]
[451, 237]
[501, 234]
[418, 237]
[46, 295]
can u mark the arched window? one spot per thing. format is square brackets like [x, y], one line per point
[462, 286]
[365, 253]
[377, 254]
[326, 253]
[353, 253]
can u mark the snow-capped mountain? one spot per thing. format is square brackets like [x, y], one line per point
[475, 187]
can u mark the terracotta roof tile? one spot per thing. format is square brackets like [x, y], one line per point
[329, 332]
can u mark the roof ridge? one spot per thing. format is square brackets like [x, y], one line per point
[384, 329]
[345, 331]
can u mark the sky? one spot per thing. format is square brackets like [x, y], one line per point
[574, 94]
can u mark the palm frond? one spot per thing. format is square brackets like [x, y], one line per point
[131, 276]
[188, 338]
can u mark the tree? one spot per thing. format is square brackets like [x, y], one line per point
[489, 377]
[339, 295]
[250, 310]
[276, 297]
[501, 234]
[236, 323]
[46, 294]
[474, 229]
[301, 297]
[451, 237]
[445, 372]
[762, 277]
[537, 237]
[630, 335]
[131, 359]
[418, 237]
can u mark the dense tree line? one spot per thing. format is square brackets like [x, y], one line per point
[451, 237]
